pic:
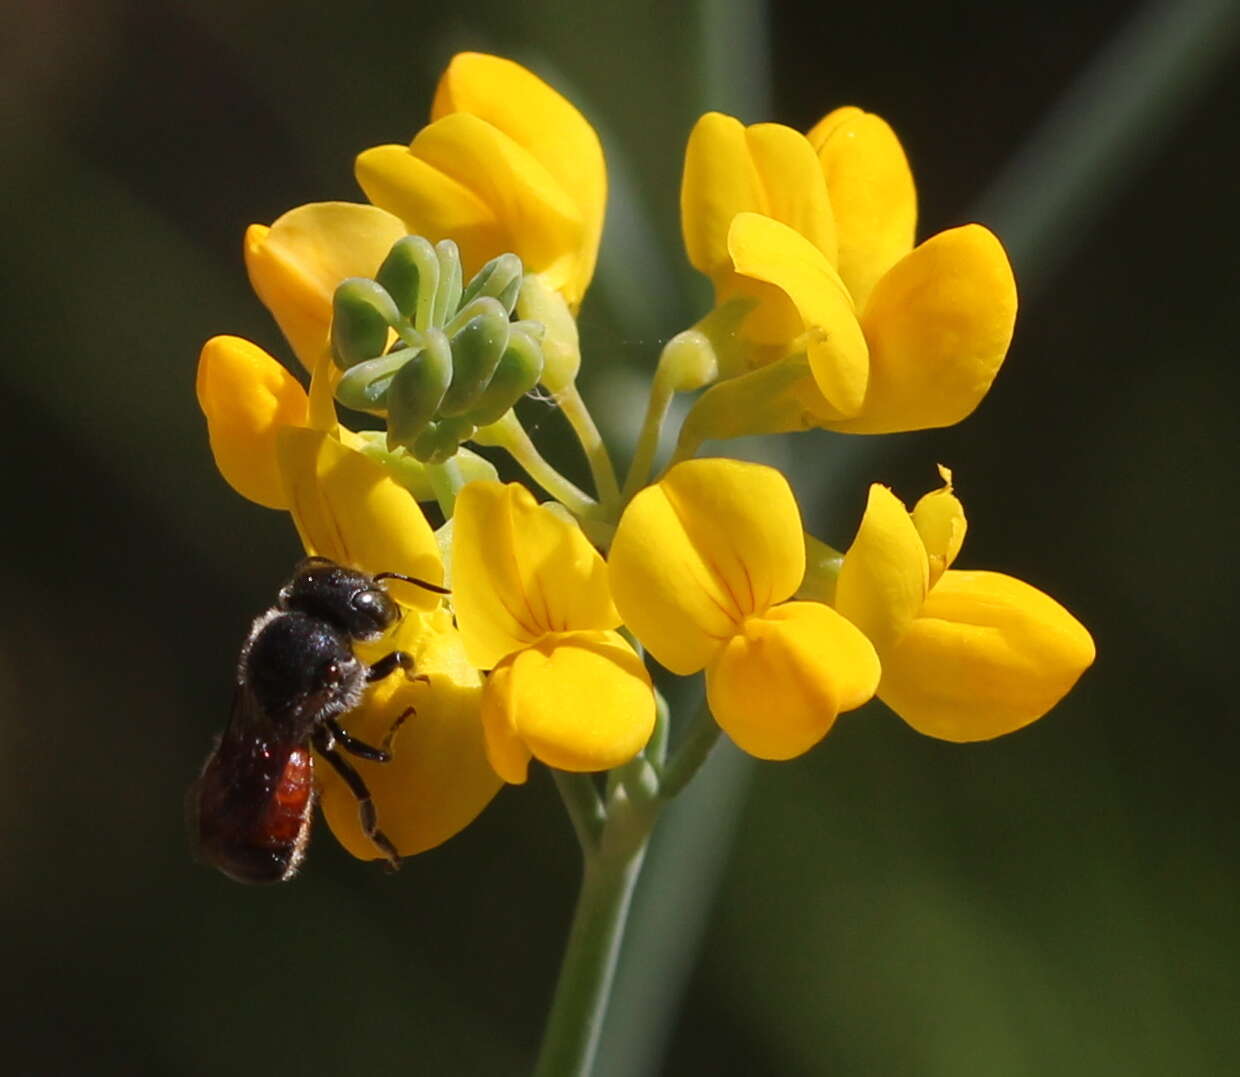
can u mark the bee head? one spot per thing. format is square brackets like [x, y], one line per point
[347, 599]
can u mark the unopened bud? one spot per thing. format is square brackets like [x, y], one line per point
[476, 351]
[441, 440]
[417, 391]
[410, 273]
[517, 373]
[500, 279]
[362, 315]
[364, 387]
[448, 292]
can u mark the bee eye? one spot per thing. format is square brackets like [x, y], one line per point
[376, 607]
[331, 673]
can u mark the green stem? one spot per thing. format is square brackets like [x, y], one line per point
[648, 440]
[446, 480]
[584, 807]
[656, 750]
[584, 986]
[579, 417]
[690, 753]
[508, 434]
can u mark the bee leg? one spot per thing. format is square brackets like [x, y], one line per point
[322, 739]
[360, 748]
[394, 728]
[388, 664]
[357, 747]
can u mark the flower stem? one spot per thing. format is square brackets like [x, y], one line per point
[605, 483]
[508, 434]
[446, 480]
[690, 753]
[648, 440]
[584, 985]
[584, 807]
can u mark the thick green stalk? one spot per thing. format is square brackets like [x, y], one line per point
[578, 415]
[446, 480]
[508, 434]
[584, 985]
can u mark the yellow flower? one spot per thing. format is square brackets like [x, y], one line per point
[506, 165]
[767, 169]
[296, 264]
[439, 780]
[247, 398]
[895, 337]
[246, 395]
[701, 567]
[966, 655]
[871, 192]
[533, 606]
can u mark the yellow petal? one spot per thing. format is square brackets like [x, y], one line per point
[464, 180]
[547, 126]
[872, 195]
[295, 265]
[777, 686]
[730, 169]
[712, 543]
[988, 655]
[247, 397]
[346, 508]
[432, 203]
[776, 398]
[768, 251]
[439, 779]
[883, 582]
[506, 751]
[521, 570]
[578, 701]
[323, 379]
[938, 325]
[939, 519]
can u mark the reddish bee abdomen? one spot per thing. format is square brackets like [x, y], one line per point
[250, 809]
[289, 810]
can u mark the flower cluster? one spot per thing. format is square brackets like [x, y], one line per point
[426, 315]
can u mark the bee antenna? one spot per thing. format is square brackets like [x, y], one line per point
[412, 579]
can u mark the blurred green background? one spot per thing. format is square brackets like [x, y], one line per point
[1062, 900]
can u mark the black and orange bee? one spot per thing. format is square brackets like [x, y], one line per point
[250, 809]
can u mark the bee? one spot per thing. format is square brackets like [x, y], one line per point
[297, 677]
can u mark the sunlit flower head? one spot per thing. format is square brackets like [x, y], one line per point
[817, 234]
[702, 566]
[966, 655]
[533, 605]
[506, 164]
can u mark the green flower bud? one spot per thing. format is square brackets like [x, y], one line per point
[560, 345]
[476, 351]
[534, 330]
[362, 315]
[364, 387]
[417, 391]
[441, 440]
[410, 273]
[411, 473]
[448, 294]
[517, 373]
[500, 279]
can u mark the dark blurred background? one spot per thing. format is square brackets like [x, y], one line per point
[1062, 900]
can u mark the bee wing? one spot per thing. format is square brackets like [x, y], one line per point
[229, 807]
